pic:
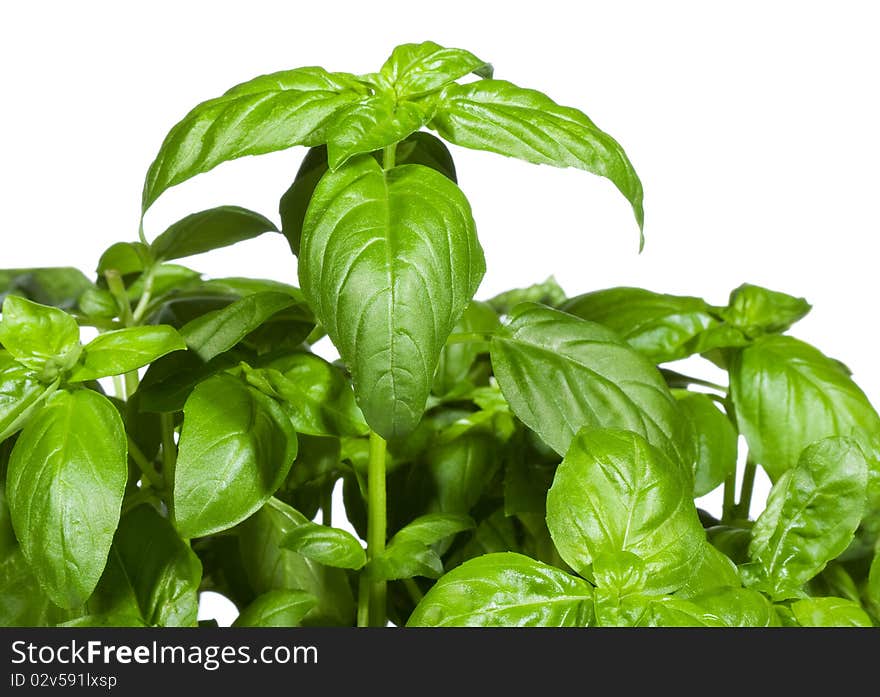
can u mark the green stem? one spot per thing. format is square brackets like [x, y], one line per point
[145, 466]
[140, 496]
[376, 526]
[748, 485]
[117, 289]
[412, 588]
[388, 155]
[470, 338]
[728, 512]
[146, 295]
[675, 379]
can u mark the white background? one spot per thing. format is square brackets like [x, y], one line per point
[753, 126]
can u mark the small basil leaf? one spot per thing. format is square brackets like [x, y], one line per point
[20, 395]
[271, 567]
[505, 590]
[788, 394]
[165, 574]
[408, 234]
[812, 514]
[40, 337]
[98, 303]
[548, 293]
[372, 124]
[265, 114]
[614, 492]
[209, 229]
[56, 286]
[236, 448]
[326, 545]
[716, 440]
[560, 373]
[406, 559]
[170, 380]
[280, 608]
[657, 325]
[416, 69]
[124, 258]
[757, 311]
[500, 117]
[432, 528]
[317, 395]
[66, 478]
[124, 350]
[456, 359]
[713, 570]
[830, 612]
[218, 331]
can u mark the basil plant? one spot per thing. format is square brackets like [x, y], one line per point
[530, 459]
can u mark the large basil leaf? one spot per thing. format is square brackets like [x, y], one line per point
[163, 571]
[788, 394]
[124, 350]
[811, 516]
[389, 261]
[265, 114]
[271, 567]
[417, 69]
[500, 117]
[236, 448]
[614, 492]
[560, 373]
[25, 604]
[505, 590]
[659, 326]
[57, 286]
[66, 478]
[209, 229]
[41, 337]
[715, 438]
[419, 148]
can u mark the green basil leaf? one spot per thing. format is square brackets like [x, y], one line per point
[560, 373]
[326, 545]
[124, 258]
[25, 604]
[812, 514]
[209, 229]
[270, 566]
[872, 589]
[236, 448]
[372, 124]
[20, 395]
[408, 235]
[111, 620]
[456, 359]
[170, 380]
[738, 607]
[265, 114]
[757, 311]
[657, 325]
[406, 559]
[788, 395]
[716, 440]
[614, 492]
[500, 117]
[98, 303]
[505, 590]
[162, 569]
[218, 331]
[317, 395]
[713, 570]
[658, 611]
[40, 337]
[830, 612]
[417, 69]
[433, 527]
[419, 148]
[276, 609]
[548, 293]
[124, 350]
[56, 286]
[66, 478]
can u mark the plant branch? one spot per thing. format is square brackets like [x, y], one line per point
[376, 530]
[145, 466]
